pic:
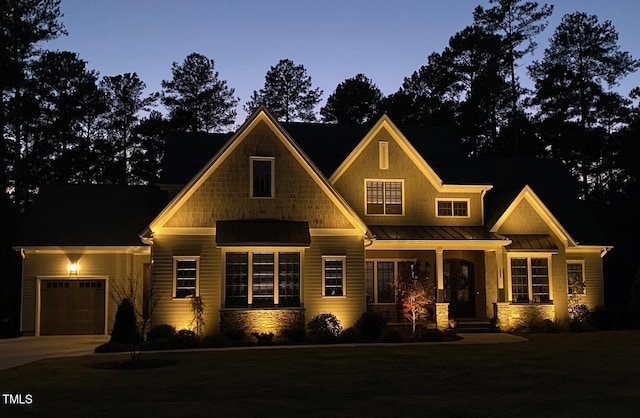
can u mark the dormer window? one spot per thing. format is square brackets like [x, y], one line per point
[452, 208]
[262, 184]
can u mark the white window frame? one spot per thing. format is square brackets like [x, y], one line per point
[276, 272]
[452, 200]
[384, 204]
[175, 274]
[529, 256]
[383, 155]
[343, 259]
[273, 176]
[375, 261]
[584, 277]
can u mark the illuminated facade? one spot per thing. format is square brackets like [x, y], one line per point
[285, 221]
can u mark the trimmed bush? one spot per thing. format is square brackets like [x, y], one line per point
[295, 335]
[324, 328]
[125, 328]
[371, 325]
[350, 336]
[428, 335]
[183, 339]
[263, 338]
[161, 332]
[214, 341]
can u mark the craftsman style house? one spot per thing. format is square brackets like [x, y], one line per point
[279, 222]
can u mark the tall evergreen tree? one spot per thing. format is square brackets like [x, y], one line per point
[355, 100]
[126, 99]
[196, 97]
[287, 93]
[582, 62]
[24, 25]
[149, 148]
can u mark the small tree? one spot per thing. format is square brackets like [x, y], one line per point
[125, 327]
[127, 293]
[578, 311]
[416, 290]
[197, 308]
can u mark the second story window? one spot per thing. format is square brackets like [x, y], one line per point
[458, 208]
[384, 197]
[262, 184]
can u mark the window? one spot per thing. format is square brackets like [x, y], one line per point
[259, 279]
[380, 278]
[185, 276]
[530, 280]
[262, 184]
[333, 276]
[383, 155]
[458, 208]
[575, 277]
[384, 197]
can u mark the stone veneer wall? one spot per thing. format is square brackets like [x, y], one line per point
[509, 314]
[261, 320]
[442, 315]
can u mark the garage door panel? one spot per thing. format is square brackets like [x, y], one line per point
[72, 307]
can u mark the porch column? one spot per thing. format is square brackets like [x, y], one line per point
[502, 294]
[442, 307]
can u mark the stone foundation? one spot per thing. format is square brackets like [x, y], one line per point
[442, 315]
[261, 320]
[509, 315]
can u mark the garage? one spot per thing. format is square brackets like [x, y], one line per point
[72, 307]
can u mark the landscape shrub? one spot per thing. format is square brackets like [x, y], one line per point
[371, 324]
[263, 338]
[350, 336]
[324, 328]
[391, 335]
[215, 341]
[531, 320]
[183, 339]
[161, 332]
[125, 327]
[295, 335]
[428, 335]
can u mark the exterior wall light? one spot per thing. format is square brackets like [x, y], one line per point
[73, 269]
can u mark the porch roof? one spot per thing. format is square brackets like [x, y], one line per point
[262, 233]
[436, 233]
[534, 242]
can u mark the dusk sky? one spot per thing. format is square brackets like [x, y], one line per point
[333, 39]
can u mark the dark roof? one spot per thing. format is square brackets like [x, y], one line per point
[404, 232]
[186, 153]
[550, 181]
[83, 215]
[327, 145]
[262, 232]
[531, 242]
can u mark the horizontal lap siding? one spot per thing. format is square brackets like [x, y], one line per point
[593, 279]
[348, 308]
[177, 312]
[116, 268]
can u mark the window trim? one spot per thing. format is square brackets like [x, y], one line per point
[452, 200]
[276, 275]
[252, 159]
[343, 259]
[530, 256]
[403, 197]
[584, 276]
[177, 258]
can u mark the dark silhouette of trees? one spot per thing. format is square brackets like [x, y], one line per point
[583, 60]
[24, 25]
[355, 100]
[196, 97]
[287, 93]
[125, 100]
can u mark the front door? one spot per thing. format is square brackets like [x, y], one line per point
[459, 289]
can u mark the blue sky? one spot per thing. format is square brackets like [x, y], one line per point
[333, 39]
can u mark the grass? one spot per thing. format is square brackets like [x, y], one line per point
[580, 374]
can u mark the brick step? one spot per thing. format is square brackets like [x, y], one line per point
[475, 325]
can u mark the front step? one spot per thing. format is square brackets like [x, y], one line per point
[475, 325]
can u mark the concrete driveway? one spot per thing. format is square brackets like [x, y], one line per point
[17, 351]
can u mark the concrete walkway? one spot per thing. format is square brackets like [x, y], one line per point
[18, 351]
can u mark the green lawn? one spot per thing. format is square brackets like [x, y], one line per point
[570, 375]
